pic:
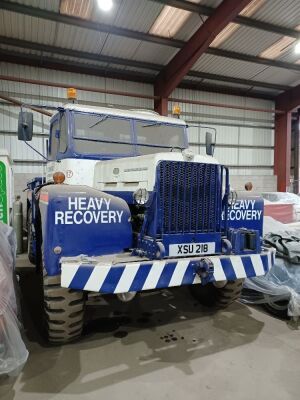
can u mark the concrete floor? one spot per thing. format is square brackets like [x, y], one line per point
[161, 346]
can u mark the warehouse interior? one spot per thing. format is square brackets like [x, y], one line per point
[230, 68]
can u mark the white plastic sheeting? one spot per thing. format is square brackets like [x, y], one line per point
[281, 283]
[13, 353]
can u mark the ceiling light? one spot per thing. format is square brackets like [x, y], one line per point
[77, 8]
[248, 11]
[170, 20]
[280, 47]
[297, 47]
[105, 5]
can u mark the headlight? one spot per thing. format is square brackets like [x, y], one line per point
[141, 196]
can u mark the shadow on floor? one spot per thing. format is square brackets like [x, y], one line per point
[122, 341]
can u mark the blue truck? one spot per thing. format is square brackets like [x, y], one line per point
[126, 207]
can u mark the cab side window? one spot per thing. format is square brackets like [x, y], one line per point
[54, 140]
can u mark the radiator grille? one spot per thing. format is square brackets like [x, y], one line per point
[189, 197]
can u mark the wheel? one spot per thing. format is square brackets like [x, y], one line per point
[63, 311]
[217, 295]
[278, 308]
[30, 252]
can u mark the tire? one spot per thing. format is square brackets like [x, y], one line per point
[63, 311]
[30, 253]
[277, 308]
[217, 297]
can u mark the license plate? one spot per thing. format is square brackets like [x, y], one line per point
[191, 249]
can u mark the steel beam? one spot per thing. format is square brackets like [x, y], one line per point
[87, 24]
[104, 28]
[239, 19]
[253, 59]
[173, 73]
[25, 44]
[82, 68]
[282, 150]
[132, 63]
[71, 66]
[240, 81]
[289, 100]
[208, 87]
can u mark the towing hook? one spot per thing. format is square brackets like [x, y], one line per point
[205, 270]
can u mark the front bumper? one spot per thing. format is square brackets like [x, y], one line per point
[114, 276]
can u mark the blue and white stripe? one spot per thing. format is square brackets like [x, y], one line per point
[138, 276]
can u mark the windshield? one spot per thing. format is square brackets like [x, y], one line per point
[96, 134]
[104, 134]
[165, 137]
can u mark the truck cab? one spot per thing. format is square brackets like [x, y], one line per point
[91, 134]
[133, 210]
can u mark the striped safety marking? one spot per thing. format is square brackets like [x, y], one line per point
[135, 276]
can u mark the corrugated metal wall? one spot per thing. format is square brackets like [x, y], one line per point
[53, 97]
[245, 138]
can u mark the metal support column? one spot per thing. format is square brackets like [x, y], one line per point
[282, 151]
[161, 106]
[296, 152]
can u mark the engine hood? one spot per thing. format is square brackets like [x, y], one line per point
[130, 174]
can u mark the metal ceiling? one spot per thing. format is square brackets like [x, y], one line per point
[236, 58]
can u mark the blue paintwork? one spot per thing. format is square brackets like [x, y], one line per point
[71, 150]
[238, 239]
[249, 218]
[32, 186]
[92, 239]
[195, 266]
[185, 206]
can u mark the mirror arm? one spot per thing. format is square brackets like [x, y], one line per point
[29, 145]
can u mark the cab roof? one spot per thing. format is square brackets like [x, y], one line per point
[145, 115]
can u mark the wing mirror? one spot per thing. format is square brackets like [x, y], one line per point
[210, 144]
[25, 126]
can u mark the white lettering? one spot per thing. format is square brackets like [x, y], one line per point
[59, 216]
[119, 214]
[91, 204]
[88, 220]
[88, 210]
[111, 216]
[107, 201]
[104, 217]
[68, 217]
[96, 216]
[99, 202]
[72, 203]
[77, 221]
[258, 213]
[81, 203]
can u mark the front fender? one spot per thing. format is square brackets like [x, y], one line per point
[81, 220]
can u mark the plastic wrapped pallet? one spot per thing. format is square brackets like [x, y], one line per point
[281, 284]
[13, 353]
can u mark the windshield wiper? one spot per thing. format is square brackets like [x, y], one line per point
[153, 124]
[103, 118]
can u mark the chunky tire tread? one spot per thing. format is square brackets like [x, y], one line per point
[63, 310]
[212, 296]
[30, 254]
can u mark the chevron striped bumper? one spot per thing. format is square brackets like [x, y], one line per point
[105, 277]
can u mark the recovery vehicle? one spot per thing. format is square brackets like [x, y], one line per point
[126, 207]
